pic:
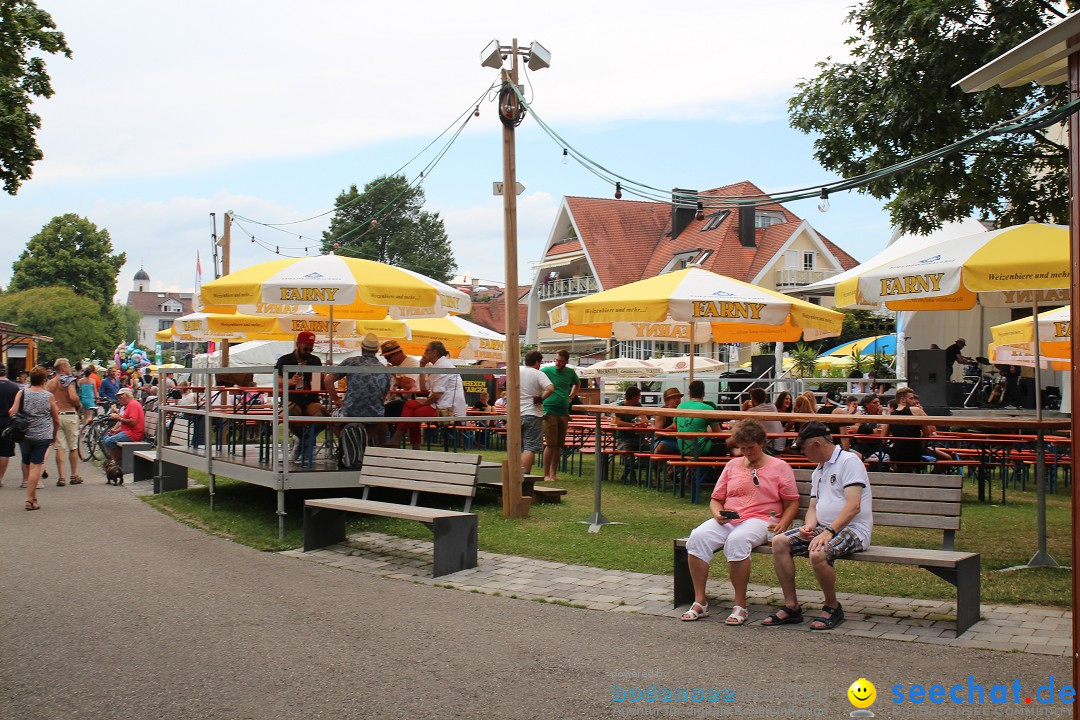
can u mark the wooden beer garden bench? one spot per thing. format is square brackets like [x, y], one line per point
[418, 471]
[900, 500]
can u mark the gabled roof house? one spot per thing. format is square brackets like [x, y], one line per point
[598, 244]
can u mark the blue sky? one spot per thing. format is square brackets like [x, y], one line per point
[270, 109]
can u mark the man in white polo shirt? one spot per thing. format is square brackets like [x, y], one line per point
[838, 523]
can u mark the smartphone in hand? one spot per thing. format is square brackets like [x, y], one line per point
[729, 514]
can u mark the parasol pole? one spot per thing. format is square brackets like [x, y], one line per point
[690, 325]
[1042, 557]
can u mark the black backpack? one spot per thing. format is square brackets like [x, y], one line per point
[351, 447]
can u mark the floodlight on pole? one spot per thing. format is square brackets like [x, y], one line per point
[539, 57]
[492, 55]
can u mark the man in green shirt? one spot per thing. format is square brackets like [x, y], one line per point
[696, 447]
[557, 411]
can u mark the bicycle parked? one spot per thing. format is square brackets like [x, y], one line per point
[90, 435]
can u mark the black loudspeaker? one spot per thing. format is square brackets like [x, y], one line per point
[928, 375]
[762, 365]
[1026, 388]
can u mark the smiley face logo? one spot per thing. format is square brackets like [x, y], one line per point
[862, 693]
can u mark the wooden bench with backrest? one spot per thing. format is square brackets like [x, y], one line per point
[417, 471]
[900, 500]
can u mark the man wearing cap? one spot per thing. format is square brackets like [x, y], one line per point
[838, 523]
[364, 392]
[302, 402]
[407, 384]
[130, 425]
[954, 356]
[535, 388]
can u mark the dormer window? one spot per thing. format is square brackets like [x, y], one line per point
[765, 218]
[680, 260]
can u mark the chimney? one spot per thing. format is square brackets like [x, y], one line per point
[746, 226]
[683, 210]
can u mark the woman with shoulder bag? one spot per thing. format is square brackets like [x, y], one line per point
[39, 406]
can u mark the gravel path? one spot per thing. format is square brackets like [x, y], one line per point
[112, 610]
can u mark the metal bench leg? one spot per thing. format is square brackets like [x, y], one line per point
[684, 585]
[455, 544]
[322, 527]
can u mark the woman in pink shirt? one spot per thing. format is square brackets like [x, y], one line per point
[750, 487]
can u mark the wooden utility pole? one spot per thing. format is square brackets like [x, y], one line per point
[1074, 302]
[514, 505]
[226, 246]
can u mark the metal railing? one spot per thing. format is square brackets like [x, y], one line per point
[565, 287]
[797, 277]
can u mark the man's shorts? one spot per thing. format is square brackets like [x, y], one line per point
[845, 543]
[7, 447]
[555, 430]
[532, 433]
[67, 437]
[310, 408]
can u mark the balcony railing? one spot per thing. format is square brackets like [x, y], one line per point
[797, 277]
[584, 285]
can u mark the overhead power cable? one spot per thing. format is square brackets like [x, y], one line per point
[1037, 120]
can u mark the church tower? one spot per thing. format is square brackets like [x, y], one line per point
[142, 281]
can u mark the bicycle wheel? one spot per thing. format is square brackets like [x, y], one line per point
[87, 442]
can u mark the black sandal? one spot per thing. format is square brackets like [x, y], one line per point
[836, 616]
[794, 617]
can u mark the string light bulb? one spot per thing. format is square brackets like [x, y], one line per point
[618, 191]
[476, 113]
[700, 215]
[565, 156]
[374, 223]
[823, 203]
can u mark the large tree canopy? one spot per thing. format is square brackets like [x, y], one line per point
[25, 31]
[76, 323]
[404, 234]
[71, 252]
[895, 99]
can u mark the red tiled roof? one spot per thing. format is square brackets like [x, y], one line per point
[149, 303]
[619, 235]
[629, 241]
[492, 315]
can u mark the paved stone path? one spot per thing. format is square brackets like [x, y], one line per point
[1042, 630]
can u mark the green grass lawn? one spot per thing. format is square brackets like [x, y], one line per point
[1004, 535]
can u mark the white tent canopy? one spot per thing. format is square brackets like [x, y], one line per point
[264, 352]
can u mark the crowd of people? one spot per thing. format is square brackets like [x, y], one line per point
[56, 401]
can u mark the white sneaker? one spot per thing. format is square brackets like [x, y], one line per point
[40, 485]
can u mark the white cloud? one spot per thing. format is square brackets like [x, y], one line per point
[156, 90]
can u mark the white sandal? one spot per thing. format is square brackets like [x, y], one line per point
[692, 614]
[738, 616]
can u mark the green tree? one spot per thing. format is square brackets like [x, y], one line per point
[71, 252]
[25, 31]
[895, 99]
[124, 321]
[403, 234]
[75, 322]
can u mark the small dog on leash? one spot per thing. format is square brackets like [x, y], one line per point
[114, 474]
